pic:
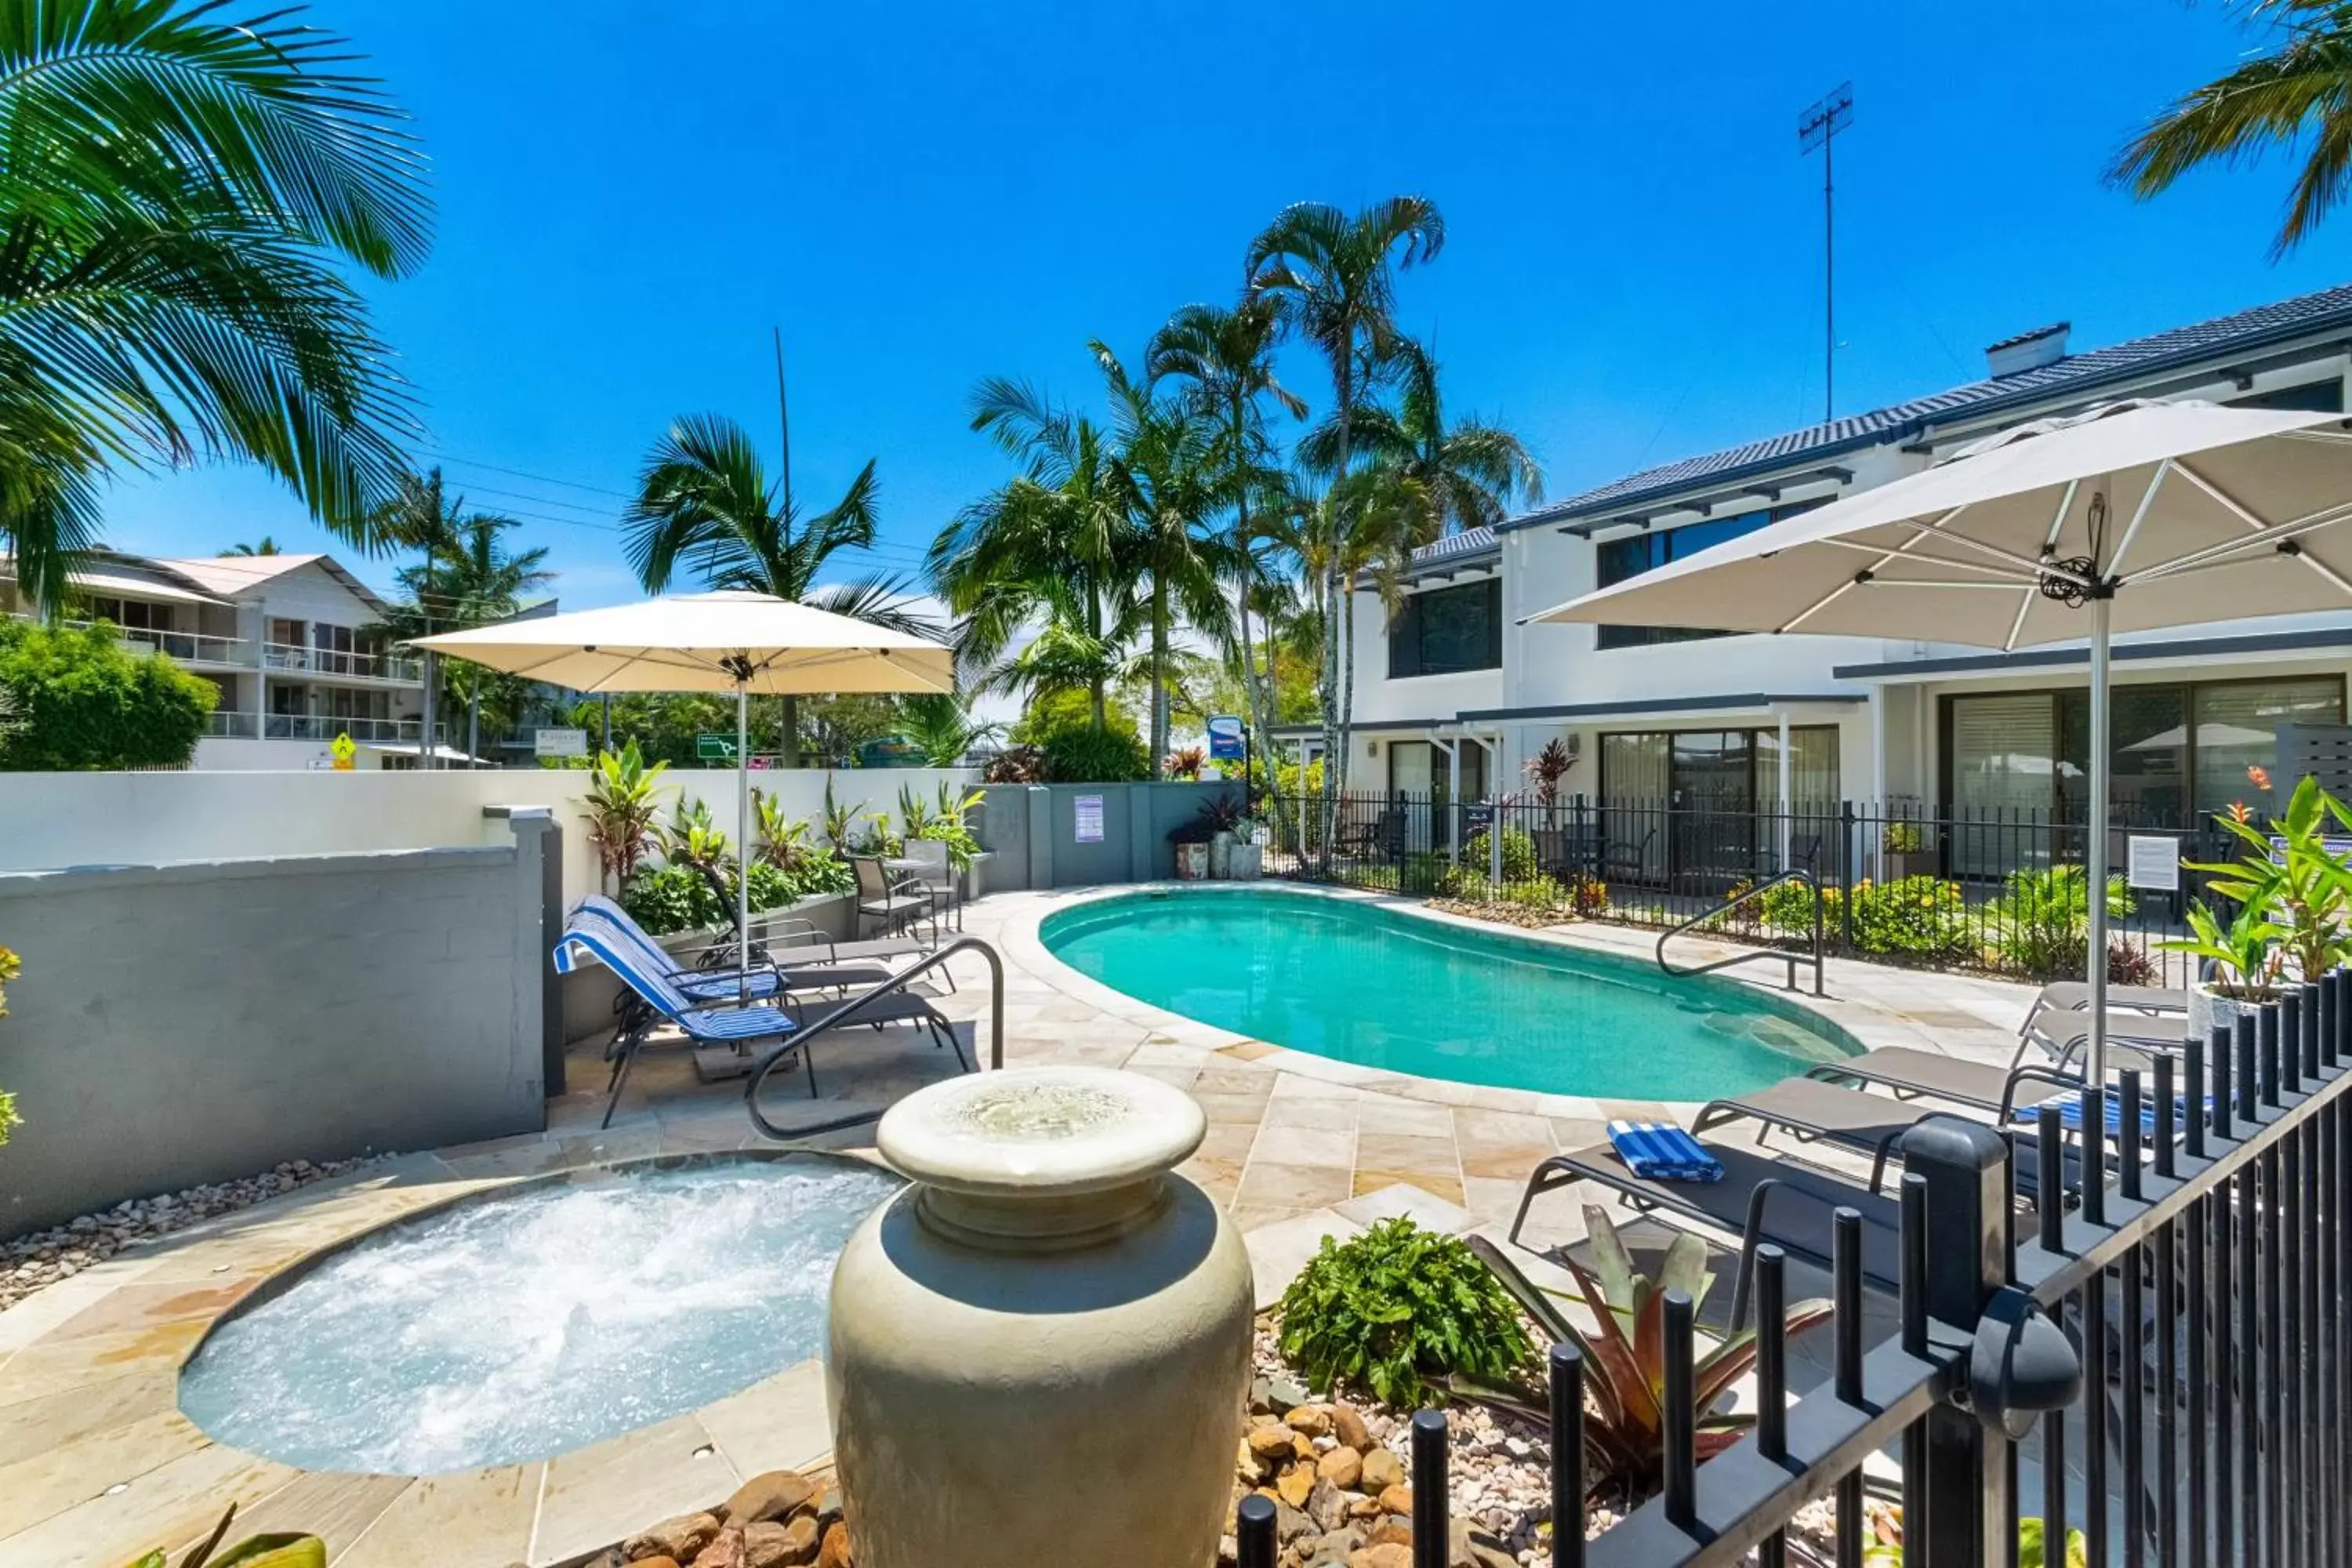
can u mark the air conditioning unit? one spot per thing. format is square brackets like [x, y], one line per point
[1371, 748]
[1574, 739]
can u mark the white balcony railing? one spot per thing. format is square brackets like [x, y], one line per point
[189, 647]
[328, 661]
[309, 727]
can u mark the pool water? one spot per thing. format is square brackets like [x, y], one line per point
[1391, 990]
[527, 1323]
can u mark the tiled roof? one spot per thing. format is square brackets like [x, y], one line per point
[1455, 546]
[2076, 375]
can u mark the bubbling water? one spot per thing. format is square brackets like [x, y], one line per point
[530, 1323]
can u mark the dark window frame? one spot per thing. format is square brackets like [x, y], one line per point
[1662, 545]
[1755, 750]
[2056, 696]
[1407, 650]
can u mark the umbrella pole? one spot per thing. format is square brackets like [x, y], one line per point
[2096, 867]
[742, 845]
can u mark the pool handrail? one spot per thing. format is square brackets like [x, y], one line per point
[1795, 874]
[846, 1011]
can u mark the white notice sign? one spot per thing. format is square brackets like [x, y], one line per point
[1089, 813]
[2153, 862]
[551, 742]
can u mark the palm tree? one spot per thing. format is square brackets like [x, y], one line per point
[266, 546]
[1331, 277]
[1471, 471]
[1166, 458]
[467, 579]
[179, 196]
[704, 505]
[1051, 551]
[2302, 87]
[940, 725]
[1226, 358]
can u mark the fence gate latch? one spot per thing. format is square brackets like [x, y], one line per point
[2020, 1364]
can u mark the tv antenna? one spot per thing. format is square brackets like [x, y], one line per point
[1818, 127]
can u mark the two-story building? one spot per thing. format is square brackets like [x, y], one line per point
[292, 643]
[1455, 692]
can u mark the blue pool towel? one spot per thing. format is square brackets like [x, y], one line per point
[1660, 1151]
[2070, 1115]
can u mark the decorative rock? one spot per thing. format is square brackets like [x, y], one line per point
[1382, 1470]
[643, 1561]
[1326, 1505]
[1349, 1428]
[725, 1550]
[1364, 1508]
[1314, 1420]
[1284, 1395]
[1341, 1467]
[774, 1495]
[1387, 1555]
[681, 1538]
[833, 1550]
[1274, 1442]
[1304, 1449]
[1289, 1524]
[1390, 1529]
[787, 1545]
[828, 1507]
[1296, 1484]
[1261, 1397]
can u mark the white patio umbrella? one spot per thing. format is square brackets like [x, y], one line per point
[2130, 517]
[725, 641]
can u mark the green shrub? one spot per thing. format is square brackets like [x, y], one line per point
[2040, 923]
[84, 701]
[678, 898]
[1922, 916]
[1095, 756]
[1786, 909]
[1398, 1310]
[1518, 854]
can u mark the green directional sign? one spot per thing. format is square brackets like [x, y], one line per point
[710, 748]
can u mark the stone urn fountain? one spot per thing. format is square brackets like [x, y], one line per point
[1039, 1352]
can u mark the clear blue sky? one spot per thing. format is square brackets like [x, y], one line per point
[919, 196]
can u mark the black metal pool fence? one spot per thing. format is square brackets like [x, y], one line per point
[2160, 1359]
[1998, 890]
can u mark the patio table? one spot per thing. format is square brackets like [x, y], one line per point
[898, 866]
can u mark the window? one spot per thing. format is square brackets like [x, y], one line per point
[1619, 560]
[130, 614]
[2180, 751]
[1448, 630]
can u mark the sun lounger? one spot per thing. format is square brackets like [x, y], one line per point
[1873, 1124]
[2074, 995]
[713, 978]
[1760, 1198]
[703, 1022]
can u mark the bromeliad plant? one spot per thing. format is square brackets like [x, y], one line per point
[695, 839]
[624, 801]
[256, 1551]
[1624, 1357]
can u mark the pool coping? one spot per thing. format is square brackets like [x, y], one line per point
[1861, 1019]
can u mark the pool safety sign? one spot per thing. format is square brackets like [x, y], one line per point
[1225, 743]
[1087, 816]
[345, 749]
[2153, 862]
[553, 742]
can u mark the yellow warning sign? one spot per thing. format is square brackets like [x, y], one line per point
[345, 749]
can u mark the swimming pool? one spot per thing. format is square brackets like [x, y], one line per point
[1385, 989]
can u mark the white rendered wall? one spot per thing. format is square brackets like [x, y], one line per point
[53, 820]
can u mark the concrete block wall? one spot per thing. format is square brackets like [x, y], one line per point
[1031, 830]
[204, 1021]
